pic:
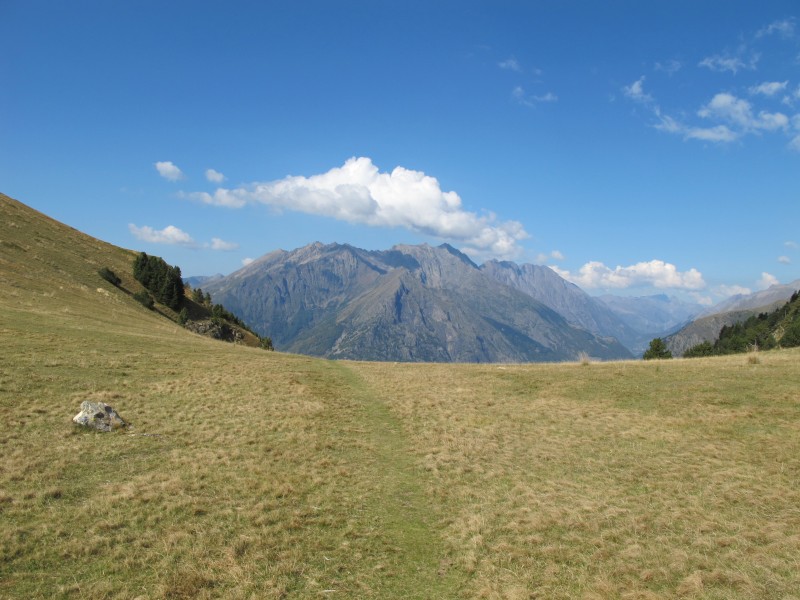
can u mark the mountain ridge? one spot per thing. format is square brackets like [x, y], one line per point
[409, 303]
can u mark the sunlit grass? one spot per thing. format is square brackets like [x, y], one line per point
[251, 474]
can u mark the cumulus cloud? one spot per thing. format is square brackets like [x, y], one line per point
[717, 134]
[169, 235]
[769, 88]
[214, 176]
[247, 261]
[737, 116]
[357, 192]
[168, 170]
[784, 260]
[738, 112]
[766, 281]
[218, 244]
[656, 273]
[793, 245]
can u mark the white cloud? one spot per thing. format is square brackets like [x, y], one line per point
[548, 97]
[727, 291]
[766, 281]
[734, 64]
[169, 235]
[635, 91]
[221, 197]
[510, 64]
[784, 28]
[218, 244]
[728, 107]
[795, 143]
[520, 95]
[655, 273]
[701, 298]
[168, 170]
[792, 245]
[669, 67]
[247, 261]
[769, 88]
[543, 258]
[214, 176]
[784, 260]
[739, 113]
[357, 192]
[720, 133]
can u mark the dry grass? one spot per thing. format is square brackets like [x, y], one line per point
[624, 480]
[251, 474]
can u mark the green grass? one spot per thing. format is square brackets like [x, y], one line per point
[251, 474]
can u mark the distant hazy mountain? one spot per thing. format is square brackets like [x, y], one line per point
[200, 280]
[733, 310]
[651, 316]
[410, 303]
[570, 301]
[775, 293]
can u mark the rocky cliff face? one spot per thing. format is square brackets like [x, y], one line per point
[411, 303]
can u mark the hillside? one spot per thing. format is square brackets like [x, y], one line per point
[757, 301]
[410, 303]
[251, 474]
[707, 328]
[738, 308]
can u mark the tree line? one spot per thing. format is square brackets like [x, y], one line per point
[160, 279]
[777, 329]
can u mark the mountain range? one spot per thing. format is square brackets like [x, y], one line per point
[410, 303]
[424, 303]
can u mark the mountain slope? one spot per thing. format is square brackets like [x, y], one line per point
[757, 301]
[410, 303]
[566, 298]
[707, 328]
[738, 308]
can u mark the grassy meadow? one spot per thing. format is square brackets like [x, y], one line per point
[252, 474]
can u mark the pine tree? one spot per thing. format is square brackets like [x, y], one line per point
[657, 350]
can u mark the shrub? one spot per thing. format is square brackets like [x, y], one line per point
[109, 276]
[145, 299]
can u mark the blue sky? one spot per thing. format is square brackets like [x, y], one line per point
[636, 147]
